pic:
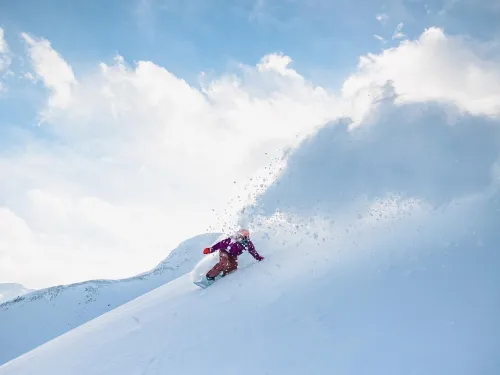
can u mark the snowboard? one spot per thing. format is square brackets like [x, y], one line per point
[205, 283]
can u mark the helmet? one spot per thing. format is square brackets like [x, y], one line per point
[243, 233]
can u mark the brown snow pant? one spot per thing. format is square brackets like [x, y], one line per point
[227, 264]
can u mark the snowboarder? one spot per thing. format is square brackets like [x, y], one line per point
[229, 250]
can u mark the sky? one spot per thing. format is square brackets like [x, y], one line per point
[126, 128]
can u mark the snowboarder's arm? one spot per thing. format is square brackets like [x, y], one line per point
[253, 252]
[220, 245]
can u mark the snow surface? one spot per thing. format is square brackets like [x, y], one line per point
[35, 318]
[382, 258]
[10, 291]
[306, 309]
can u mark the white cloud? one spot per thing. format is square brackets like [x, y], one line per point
[143, 160]
[279, 64]
[12, 226]
[436, 67]
[56, 73]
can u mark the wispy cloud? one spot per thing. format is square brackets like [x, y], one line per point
[382, 18]
[398, 34]
[258, 10]
[5, 55]
[145, 16]
[4, 48]
[265, 12]
[378, 37]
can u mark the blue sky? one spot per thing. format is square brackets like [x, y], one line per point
[130, 126]
[191, 36]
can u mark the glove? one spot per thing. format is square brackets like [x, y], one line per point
[206, 251]
[260, 258]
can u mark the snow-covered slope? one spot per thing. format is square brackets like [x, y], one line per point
[305, 310]
[10, 291]
[37, 317]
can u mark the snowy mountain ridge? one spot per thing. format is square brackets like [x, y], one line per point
[10, 291]
[47, 313]
[172, 262]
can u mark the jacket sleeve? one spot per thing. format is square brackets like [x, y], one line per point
[221, 245]
[251, 250]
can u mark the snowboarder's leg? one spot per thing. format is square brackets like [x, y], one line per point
[232, 264]
[226, 264]
[219, 267]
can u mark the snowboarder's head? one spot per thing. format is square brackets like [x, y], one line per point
[242, 233]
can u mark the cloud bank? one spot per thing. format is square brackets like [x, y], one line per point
[134, 160]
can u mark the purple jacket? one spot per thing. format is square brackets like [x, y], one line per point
[236, 248]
